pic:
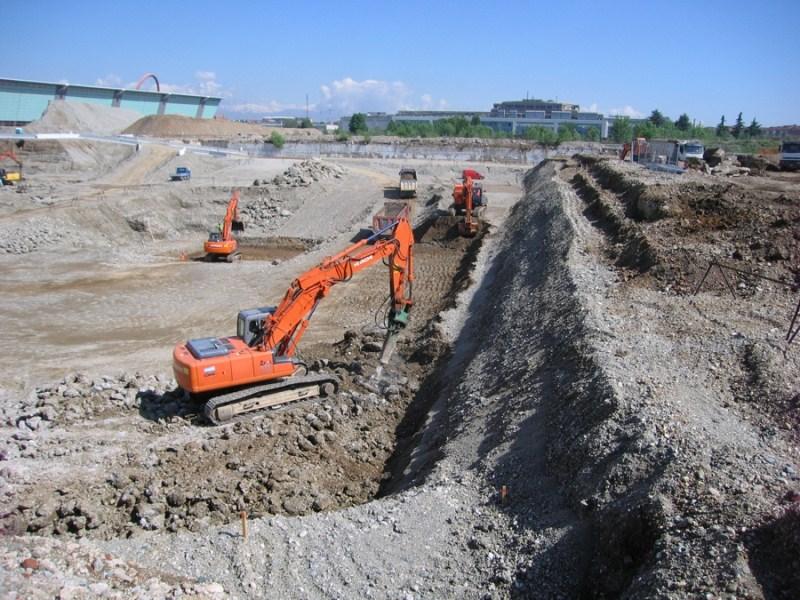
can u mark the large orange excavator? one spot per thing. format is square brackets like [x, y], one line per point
[468, 200]
[258, 367]
[221, 244]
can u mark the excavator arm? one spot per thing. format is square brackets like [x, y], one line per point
[287, 324]
[231, 221]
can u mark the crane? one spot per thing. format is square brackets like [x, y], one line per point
[221, 244]
[468, 199]
[10, 177]
[259, 367]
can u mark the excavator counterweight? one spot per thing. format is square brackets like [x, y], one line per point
[258, 366]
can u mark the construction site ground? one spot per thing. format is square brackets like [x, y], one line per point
[562, 417]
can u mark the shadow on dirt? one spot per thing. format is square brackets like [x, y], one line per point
[170, 406]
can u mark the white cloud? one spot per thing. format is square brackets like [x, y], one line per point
[341, 97]
[110, 80]
[626, 111]
[593, 108]
[205, 84]
[346, 96]
[263, 108]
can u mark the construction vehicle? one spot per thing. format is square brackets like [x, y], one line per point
[790, 156]
[670, 152]
[391, 212]
[181, 174]
[470, 201]
[221, 245]
[10, 176]
[408, 182]
[259, 367]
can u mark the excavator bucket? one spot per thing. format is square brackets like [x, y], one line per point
[237, 225]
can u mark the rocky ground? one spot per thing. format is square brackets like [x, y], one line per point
[563, 419]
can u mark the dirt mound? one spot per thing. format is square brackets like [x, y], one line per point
[80, 117]
[176, 126]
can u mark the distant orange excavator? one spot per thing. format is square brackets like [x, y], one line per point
[221, 245]
[468, 200]
[10, 177]
[258, 367]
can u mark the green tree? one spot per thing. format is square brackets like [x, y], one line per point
[736, 130]
[683, 123]
[277, 140]
[754, 129]
[593, 134]
[645, 129]
[656, 118]
[358, 123]
[305, 123]
[621, 130]
[476, 121]
[722, 129]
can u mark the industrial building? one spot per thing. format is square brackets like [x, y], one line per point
[24, 101]
[512, 117]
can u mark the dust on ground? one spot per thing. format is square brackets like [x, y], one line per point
[563, 417]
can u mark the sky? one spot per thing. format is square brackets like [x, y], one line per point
[706, 58]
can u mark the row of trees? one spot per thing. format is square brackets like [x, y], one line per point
[623, 129]
[462, 127]
[659, 126]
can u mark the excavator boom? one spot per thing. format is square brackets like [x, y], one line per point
[263, 353]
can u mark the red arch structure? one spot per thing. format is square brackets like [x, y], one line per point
[146, 76]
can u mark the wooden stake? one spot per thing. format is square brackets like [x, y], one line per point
[503, 494]
[243, 515]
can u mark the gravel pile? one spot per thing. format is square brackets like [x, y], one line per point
[44, 568]
[81, 117]
[30, 237]
[268, 210]
[304, 174]
[78, 397]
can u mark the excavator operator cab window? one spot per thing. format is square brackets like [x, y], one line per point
[250, 324]
[214, 236]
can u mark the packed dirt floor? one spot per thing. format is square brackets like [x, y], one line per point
[563, 417]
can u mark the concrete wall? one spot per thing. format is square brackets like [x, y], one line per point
[24, 101]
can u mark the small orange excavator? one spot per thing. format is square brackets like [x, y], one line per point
[468, 200]
[257, 367]
[10, 177]
[221, 244]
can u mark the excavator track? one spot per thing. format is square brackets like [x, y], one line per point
[230, 407]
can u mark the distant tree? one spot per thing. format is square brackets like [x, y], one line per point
[621, 130]
[290, 123]
[476, 120]
[736, 130]
[656, 118]
[754, 129]
[277, 140]
[722, 129]
[593, 134]
[645, 129]
[358, 123]
[305, 123]
[683, 123]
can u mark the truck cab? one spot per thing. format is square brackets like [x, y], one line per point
[182, 174]
[790, 155]
[690, 149]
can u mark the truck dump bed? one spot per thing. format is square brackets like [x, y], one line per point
[391, 212]
[408, 183]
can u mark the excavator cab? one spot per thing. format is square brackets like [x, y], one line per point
[214, 236]
[250, 324]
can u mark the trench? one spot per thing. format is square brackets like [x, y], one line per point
[179, 474]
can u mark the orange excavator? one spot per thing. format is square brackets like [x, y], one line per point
[468, 200]
[221, 244]
[258, 367]
[10, 177]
